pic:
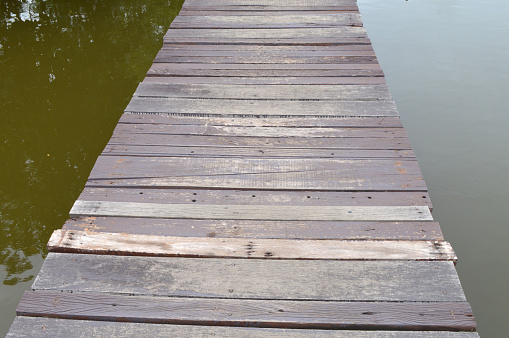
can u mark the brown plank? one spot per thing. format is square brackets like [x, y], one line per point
[254, 313]
[295, 3]
[261, 66]
[270, 80]
[169, 151]
[165, 57]
[208, 247]
[159, 69]
[260, 229]
[264, 108]
[264, 52]
[55, 327]
[315, 41]
[262, 174]
[292, 49]
[268, 9]
[299, 122]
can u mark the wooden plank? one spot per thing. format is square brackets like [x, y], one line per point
[268, 9]
[259, 131]
[159, 69]
[207, 247]
[264, 52]
[251, 212]
[268, 21]
[254, 48]
[259, 174]
[254, 107]
[229, 152]
[270, 80]
[426, 230]
[55, 327]
[303, 41]
[267, 33]
[294, 3]
[281, 142]
[242, 197]
[265, 59]
[455, 316]
[261, 66]
[326, 280]
[299, 122]
[267, 92]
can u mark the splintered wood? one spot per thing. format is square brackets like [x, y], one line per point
[259, 184]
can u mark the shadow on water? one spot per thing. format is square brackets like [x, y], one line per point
[67, 70]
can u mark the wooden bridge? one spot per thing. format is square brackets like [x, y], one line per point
[260, 183]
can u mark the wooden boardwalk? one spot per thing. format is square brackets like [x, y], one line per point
[259, 184]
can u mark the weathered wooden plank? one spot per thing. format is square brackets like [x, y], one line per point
[269, 80]
[303, 41]
[251, 212]
[328, 280]
[425, 230]
[299, 122]
[265, 52]
[268, 9]
[268, 21]
[254, 48]
[259, 174]
[256, 107]
[55, 327]
[267, 92]
[242, 197]
[260, 131]
[295, 3]
[207, 247]
[455, 316]
[157, 70]
[261, 66]
[282, 142]
[267, 33]
[229, 152]
[265, 59]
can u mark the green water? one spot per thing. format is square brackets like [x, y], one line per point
[68, 68]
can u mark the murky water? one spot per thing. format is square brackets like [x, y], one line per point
[446, 64]
[68, 68]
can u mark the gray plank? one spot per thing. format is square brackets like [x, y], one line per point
[164, 57]
[55, 327]
[259, 174]
[251, 212]
[252, 278]
[291, 49]
[165, 69]
[425, 230]
[267, 92]
[209, 247]
[254, 107]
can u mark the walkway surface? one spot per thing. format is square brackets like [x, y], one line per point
[260, 183]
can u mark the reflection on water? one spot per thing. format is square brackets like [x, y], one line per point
[67, 70]
[446, 65]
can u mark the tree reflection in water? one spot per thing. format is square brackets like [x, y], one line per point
[67, 70]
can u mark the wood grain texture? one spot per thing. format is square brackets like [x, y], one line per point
[199, 247]
[254, 107]
[245, 48]
[255, 81]
[258, 174]
[296, 122]
[267, 92]
[328, 280]
[294, 3]
[168, 69]
[354, 230]
[311, 41]
[55, 327]
[251, 212]
[267, 21]
[455, 316]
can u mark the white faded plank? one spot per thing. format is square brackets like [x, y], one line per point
[146, 245]
[251, 212]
